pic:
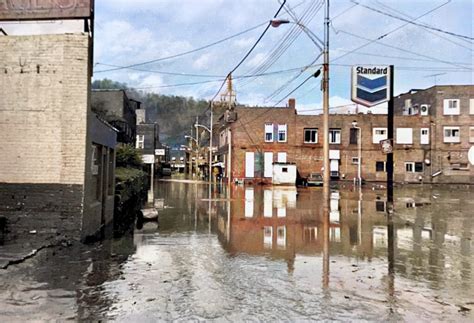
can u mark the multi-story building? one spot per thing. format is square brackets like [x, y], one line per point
[57, 158]
[430, 146]
[443, 122]
[116, 108]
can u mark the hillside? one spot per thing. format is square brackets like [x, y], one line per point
[175, 114]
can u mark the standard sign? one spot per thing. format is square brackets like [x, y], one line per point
[370, 85]
[44, 9]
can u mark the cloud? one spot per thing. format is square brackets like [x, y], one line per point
[204, 61]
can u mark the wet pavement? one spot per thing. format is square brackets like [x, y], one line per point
[263, 254]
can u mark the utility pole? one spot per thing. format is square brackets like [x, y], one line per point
[197, 146]
[326, 178]
[210, 145]
[389, 163]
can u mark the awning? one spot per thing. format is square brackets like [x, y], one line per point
[218, 164]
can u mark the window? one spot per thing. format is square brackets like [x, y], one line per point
[405, 136]
[378, 134]
[471, 106]
[353, 134]
[380, 206]
[140, 142]
[425, 136]
[414, 167]
[311, 136]
[355, 160]
[380, 166]
[282, 132]
[451, 107]
[269, 132]
[471, 134]
[419, 167]
[334, 136]
[451, 135]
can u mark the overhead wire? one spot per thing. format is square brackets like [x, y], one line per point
[186, 52]
[427, 30]
[370, 41]
[412, 22]
[285, 42]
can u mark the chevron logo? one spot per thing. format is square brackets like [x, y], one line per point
[370, 85]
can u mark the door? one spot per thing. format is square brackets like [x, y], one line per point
[249, 164]
[268, 165]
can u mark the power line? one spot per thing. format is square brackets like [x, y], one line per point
[427, 30]
[370, 41]
[248, 53]
[301, 84]
[184, 53]
[394, 47]
[287, 40]
[413, 22]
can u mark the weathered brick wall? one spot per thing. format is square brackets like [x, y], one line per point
[442, 155]
[44, 84]
[248, 136]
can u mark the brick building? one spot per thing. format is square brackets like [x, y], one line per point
[56, 157]
[252, 139]
[443, 125]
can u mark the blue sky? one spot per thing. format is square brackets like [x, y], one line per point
[130, 32]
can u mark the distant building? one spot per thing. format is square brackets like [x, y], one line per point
[429, 147]
[117, 109]
[56, 157]
[441, 120]
[147, 140]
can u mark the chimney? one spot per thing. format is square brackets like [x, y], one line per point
[292, 103]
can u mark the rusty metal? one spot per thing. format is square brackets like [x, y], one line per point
[44, 9]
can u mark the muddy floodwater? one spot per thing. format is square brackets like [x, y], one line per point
[263, 254]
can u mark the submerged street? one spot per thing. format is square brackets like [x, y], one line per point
[263, 253]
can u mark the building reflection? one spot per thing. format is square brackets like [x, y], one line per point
[284, 222]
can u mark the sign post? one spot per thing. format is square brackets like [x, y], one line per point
[389, 161]
[373, 85]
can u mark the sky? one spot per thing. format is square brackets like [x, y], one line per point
[134, 32]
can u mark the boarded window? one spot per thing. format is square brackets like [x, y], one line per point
[353, 135]
[405, 136]
[451, 107]
[378, 134]
[451, 135]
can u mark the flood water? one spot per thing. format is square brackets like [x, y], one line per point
[263, 254]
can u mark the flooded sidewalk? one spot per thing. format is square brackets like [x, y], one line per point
[263, 254]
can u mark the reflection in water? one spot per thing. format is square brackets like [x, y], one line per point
[265, 253]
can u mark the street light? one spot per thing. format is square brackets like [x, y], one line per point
[325, 87]
[210, 145]
[359, 148]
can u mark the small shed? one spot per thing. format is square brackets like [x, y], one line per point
[284, 173]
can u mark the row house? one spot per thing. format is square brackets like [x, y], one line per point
[428, 147]
[448, 133]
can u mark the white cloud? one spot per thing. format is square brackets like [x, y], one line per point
[203, 61]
